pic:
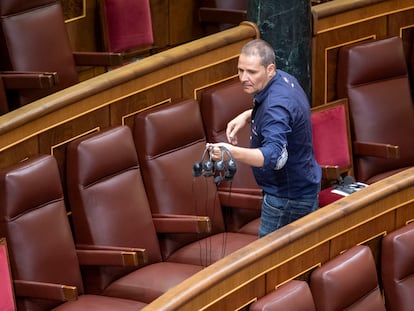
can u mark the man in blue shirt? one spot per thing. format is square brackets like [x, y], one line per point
[281, 151]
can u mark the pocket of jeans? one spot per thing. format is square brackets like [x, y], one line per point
[275, 203]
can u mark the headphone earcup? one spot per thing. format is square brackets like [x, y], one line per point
[208, 167]
[218, 179]
[197, 169]
[231, 166]
[231, 170]
[228, 175]
[219, 165]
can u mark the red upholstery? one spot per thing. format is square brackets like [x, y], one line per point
[397, 268]
[374, 77]
[220, 104]
[34, 39]
[34, 221]
[348, 281]
[7, 301]
[332, 146]
[169, 140]
[110, 207]
[330, 135]
[127, 24]
[294, 295]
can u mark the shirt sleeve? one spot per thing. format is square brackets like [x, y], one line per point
[275, 128]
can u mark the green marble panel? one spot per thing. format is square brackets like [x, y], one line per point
[286, 25]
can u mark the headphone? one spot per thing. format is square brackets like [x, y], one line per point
[204, 167]
[221, 169]
[345, 181]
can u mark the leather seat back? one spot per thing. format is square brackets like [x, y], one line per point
[108, 200]
[219, 104]
[127, 25]
[169, 139]
[34, 221]
[294, 295]
[397, 268]
[348, 281]
[374, 77]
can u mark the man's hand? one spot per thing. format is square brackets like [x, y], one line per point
[236, 124]
[216, 152]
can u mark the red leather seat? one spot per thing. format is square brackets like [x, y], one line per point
[347, 282]
[110, 208]
[242, 196]
[397, 268]
[169, 139]
[374, 77]
[126, 26]
[294, 295]
[332, 145]
[43, 258]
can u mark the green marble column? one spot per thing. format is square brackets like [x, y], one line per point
[286, 25]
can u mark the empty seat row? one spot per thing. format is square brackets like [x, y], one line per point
[137, 214]
[350, 281]
[347, 282]
[43, 257]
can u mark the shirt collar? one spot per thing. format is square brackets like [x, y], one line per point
[259, 97]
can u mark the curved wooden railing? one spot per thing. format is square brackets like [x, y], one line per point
[296, 249]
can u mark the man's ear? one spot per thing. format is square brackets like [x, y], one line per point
[271, 70]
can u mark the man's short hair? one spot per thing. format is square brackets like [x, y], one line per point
[261, 48]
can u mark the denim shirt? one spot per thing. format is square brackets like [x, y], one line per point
[281, 128]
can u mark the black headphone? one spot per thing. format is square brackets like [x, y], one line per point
[221, 169]
[202, 167]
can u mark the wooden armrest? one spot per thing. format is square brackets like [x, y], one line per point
[330, 172]
[333, 172]
[29, 80]
[98, 59]
[91, 255]
[235, 199]
[222, 16]
[376, 150]
[165, 223]
[43, 290]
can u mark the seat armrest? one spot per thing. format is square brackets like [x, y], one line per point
[330, 172]
[221, 16]
[98, 59]
[166, 223]
[91, 255]
[376, 150]
[29, 80]
[43, 290]
[333, 172]
[241, 198]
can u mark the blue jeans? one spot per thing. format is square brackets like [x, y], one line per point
[277, 212]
